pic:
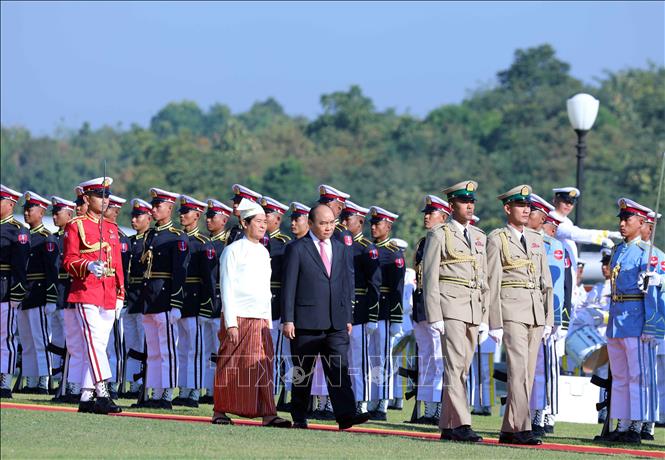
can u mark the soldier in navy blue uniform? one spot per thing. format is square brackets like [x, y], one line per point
[240, 192]
[367, 273]
[217, 217]
[63, 211]
[335, 200]
[40, 302]
[132, 320]
[391, 310]
[199, 294]
[115, 349]
[428, 340]
[165, 255]
[14, 252]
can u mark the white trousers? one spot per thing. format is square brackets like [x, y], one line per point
[191, 353]
[115, 350]
[8, 344]
[161, 341]
[56, 323]
[381, 360]
[134, 337]
[632, 363]
[75, 345]
[94, 324]
[34, 335]
[660, 384]
[211, 345]
[545, 391]
[430, 362]
[359, 365]
[282, 363]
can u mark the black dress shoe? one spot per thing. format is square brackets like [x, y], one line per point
[147, 404]
[446, 434]
[631, 437]
[163, 404]
[130, 395]
[612, 436]
[646, 436]
[526, 438]
[377, 415]
[538, 431]
[178, 401]
[302, 425]
[105, 405]
[189, 402]
[348, 422]
[113, 394]
[207, 399]
[5, 393]
[87, 407]
[464, 433]
[549, 429]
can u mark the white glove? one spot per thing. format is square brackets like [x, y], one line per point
[547, 331]
[615, 235]
[97, 268]
[49, 309]
[14, 303]
[646, 279]
[118, 308]
[175, 315]
[483, 332]
[607, 243]
[559, 332]
[396, 330]
[371, 327]
[438, 326]
[496, 334]
[647, 337]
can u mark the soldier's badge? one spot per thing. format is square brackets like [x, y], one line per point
[399, 262]
[654, 261]
[182, 246]
[348, 240]
[479, 243]
[374, 254]
[566, 262]
[265, 241]
[662, 265]
[535, 245]
[573, 193]
[558, 254]
[524, 191]
[50, 246]
[23, 238]
[123, 247]
[210, 253]
[470, 187]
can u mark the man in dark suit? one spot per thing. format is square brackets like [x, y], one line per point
[317, 296]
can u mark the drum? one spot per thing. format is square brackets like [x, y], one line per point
[585, 347]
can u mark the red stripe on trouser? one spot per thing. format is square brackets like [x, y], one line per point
[89, 342]
[244, 375]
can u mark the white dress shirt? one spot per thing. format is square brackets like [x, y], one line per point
[517, 233]
[245, 282]
[327, 246]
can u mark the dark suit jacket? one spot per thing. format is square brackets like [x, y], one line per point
[311, 299]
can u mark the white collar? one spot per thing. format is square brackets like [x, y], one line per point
[460, 226]
[316, 240]
[516, 232]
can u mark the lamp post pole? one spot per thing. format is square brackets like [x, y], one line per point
[581, 153]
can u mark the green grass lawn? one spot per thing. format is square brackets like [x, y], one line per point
[29, 434]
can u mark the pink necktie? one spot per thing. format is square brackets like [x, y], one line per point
[324, 256]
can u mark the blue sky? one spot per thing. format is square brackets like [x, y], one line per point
[109, 63]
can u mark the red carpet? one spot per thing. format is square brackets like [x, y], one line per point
[375, 431]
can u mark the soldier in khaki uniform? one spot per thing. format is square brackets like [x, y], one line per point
[454, 285]
[520, 304]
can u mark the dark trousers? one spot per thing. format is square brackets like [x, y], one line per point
[333, 346]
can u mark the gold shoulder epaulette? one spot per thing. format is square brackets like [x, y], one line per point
[16, 223]
[175, 230]
[364, 242]
[202, 238]
[282, 237]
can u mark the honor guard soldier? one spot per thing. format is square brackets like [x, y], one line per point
[217, 216]
[240, 192]
[132, 321]
[367, 271]
[647, 230]
[81, 205]
[41, 298]
[299, 215]
[520, 307]
[63, 211]
[391, 260]
[116, 347]
[454, 287]
[335, 200]
[165, 255]
[274, 211]
[545, 392]
[15, 249]
[430, 354]
[637, 320]
[199, 294]
[92, 257]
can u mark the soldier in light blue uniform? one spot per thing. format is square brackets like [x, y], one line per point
[637, 319]
[545, 393]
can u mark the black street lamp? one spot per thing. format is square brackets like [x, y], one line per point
[582, 112]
